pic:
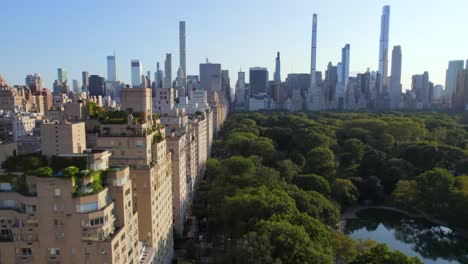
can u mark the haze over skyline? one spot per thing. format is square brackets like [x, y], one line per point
[79, 35]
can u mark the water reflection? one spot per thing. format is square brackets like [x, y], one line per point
[415, 237]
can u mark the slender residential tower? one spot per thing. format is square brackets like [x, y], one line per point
[277, 77]
[383, 50]
[183, 52]
[112, 68]
[395, 79]
[313, 62]
[345, 57]
[168, 71]
[137, 71]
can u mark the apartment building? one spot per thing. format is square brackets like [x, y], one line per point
[62, 138]
[60, 220]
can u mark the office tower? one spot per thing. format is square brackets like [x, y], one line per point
[395, 78]
[85, 81]
[137, 71]
[76, 86]
[62, 75]
[258, 80]
[241, 89]
[159, 76]
[331, 81]
[112, 68]
[383, 49]
[420, 86]
[461, 94]
[168, 71]
[60, 88]
[181, 90]
[438, 91]
[277, 77]
[454, 67]
[183, 53]
[345, 61]
[97, 85]
[210, 76]
[313, 59]
[226, 85]
[34, 82]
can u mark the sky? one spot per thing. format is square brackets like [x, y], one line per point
[41, 36]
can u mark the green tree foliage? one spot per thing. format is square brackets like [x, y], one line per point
[313, 182]
[321, 161]
[381, 254]
[345, 192]
[43, 172]
[288, 169]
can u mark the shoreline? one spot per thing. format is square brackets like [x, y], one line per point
[350, 213]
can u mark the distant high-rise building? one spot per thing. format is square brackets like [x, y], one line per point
[240, 94]
[61, 75]
[420, 86]
[438, 91]
[461, 96]
[137, 71]
[277, 77]
[258, 80]
[395, 78]
[383, 49]
[313, 60]
[345, 61]
[183, 53]
[180, 80]
[148, 78]
[159, 76]
[97, 85]
[210, 76]
[76, 86]
[454, 67]
[226, 85]
[85, 81]
[168, 71]
[331, 81]
[34, 82]
[112, 68]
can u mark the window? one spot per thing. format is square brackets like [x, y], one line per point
[24, 251]
[96, 221]
[54, 251]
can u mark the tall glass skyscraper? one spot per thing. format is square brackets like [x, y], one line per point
[112, 68]
[168, 71]
[258, 78]
[136, 73]
[61, 75]
[183, 52]
[383, 50]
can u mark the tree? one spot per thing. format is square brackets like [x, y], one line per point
[344, 248]
[381, 254]
[313, 182]
[288, 170]
[434, 188]
[43, 172]
[70, 171]
[395, 170]
[406, 192]
[352, 151]
[345, 192]
[321, 161]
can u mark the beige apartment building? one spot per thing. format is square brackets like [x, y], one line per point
[177, 147]
[138, 102]
[62, 138]
[47, 221]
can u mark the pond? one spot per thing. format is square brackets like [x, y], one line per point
[430, 242]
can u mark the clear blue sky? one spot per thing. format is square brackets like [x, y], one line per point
[40, 36]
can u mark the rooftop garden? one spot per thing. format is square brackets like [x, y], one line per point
[85, 182]
[17, 182]
[157, 137]
[112, 117]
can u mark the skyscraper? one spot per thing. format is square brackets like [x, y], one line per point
[112, 68]
[277, 77]
[85, 79]
[210, 76]
[383, 49]
[76, 86]
[420, 85]
[226, 85]
[34, 82]
[183, 53]
[454, 67]
[97, 85]
[395, 78]
[159, 76]
[258, 79]
[137, 71]
[62, 75]
[313, 59]
[345, 61]
[168, 71]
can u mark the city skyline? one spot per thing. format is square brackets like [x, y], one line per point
[239, 54]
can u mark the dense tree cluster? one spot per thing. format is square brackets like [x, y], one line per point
[280, 180]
